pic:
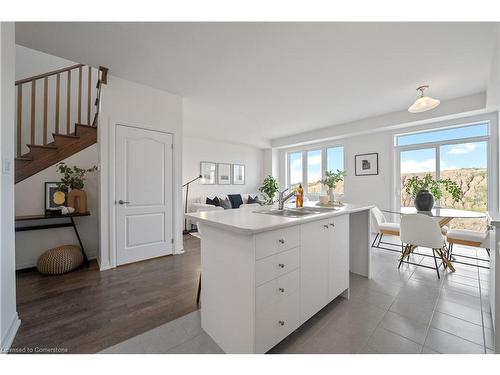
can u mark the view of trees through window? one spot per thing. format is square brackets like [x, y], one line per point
[308, 168]
[464, 163]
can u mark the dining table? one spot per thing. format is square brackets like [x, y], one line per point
[443, 216]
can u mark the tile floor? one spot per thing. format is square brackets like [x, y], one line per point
[405, 311]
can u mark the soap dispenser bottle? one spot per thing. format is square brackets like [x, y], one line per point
[300, 197]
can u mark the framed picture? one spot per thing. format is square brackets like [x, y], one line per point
[208, 171]
[223, 174]
[238, 174]
[54, 197]
[366, 164]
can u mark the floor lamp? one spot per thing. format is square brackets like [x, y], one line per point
[186, 231]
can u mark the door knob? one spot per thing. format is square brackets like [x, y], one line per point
[332, 224]
[122, 202]
[281, 241]
[281, 265]
[325, 226]
[281, 322]
[282, 290]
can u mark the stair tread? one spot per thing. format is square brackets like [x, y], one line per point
[72, 136]
[51, 147]
[23, 158]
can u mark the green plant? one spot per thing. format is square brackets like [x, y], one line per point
[269, 188]
[333, 178]
[415, 184]
[72, 178]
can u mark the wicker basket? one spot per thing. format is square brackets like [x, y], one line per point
[60, 260]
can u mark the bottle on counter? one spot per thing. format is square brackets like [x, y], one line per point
[299, 202]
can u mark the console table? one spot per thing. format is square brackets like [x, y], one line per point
[70, 223]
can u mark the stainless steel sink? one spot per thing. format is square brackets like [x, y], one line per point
[295, 212]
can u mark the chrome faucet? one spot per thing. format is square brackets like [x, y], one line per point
[282, 198]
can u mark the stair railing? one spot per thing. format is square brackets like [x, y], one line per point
[58, 125]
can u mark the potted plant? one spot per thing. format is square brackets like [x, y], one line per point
[269, 188]
[72, 182]
[425, 189]
[331, 180]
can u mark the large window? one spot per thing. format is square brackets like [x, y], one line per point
[308, 168]
[459, 153]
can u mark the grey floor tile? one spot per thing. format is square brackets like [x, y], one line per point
[460, 298]
[467, 313]
[487, 320]
[447, 343]
[412, 310]
[373, 297]
[458, 327]
[489, 337]
[404, 326]
[427, 350]
[201, 344]
[461, 288]
[455, 277]
[384, 341]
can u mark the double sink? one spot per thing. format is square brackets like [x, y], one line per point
[295, 212]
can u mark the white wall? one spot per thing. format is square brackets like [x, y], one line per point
[129, 103]
[380, 190]
[30, 201]
[9, 321]
[196, 150]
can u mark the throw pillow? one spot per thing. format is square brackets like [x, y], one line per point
[225, 204]
[236, 200]
[213, 202]
[253, 200]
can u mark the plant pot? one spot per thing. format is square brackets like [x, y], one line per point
[424, 201]
[77, 199]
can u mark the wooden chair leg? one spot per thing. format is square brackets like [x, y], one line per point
[199, 291]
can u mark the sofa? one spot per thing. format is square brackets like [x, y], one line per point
[198, 204]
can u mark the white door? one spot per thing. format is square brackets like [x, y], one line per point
[314, 264]
[143, 193]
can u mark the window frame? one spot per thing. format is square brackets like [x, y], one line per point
[324, 165]
[437, 148]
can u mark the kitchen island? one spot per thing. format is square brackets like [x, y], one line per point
[265, 274]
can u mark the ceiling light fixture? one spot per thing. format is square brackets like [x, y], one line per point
[423, 103]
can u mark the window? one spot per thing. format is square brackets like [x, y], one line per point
[334, 162]
[308, 167]
[314, 172]
[459, 153]
[295, 168]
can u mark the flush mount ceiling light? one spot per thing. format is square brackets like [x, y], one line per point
[423, 103]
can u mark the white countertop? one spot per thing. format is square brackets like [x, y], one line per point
[246, 221]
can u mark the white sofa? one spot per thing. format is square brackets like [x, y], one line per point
[199, 205]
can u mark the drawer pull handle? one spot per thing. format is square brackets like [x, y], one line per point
[282, 290]
[332, 224]
[325, 226]
[281, 322]
[282, 241]
[281, 265]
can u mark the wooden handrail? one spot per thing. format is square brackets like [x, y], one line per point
[54, 72]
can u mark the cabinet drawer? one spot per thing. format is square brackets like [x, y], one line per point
[276, 265]
[273, 325]
[269, 243]
[270, 294]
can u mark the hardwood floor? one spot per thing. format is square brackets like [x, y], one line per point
[86, 311]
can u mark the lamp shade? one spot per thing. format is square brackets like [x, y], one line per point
[423, 103]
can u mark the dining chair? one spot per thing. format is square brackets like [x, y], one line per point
[419, 230]
[383, 227]
[469, 238]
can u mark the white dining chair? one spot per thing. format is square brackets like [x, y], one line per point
[383, 227]
[419, 230]
[469, 238]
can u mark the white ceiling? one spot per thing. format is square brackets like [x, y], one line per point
[252, 82]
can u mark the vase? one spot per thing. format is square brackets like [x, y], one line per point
[331, 195]
[424, 201]
[77, 199]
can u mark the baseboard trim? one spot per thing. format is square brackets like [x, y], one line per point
[11, 334]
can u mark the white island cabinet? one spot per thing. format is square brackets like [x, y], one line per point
[263, 276]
